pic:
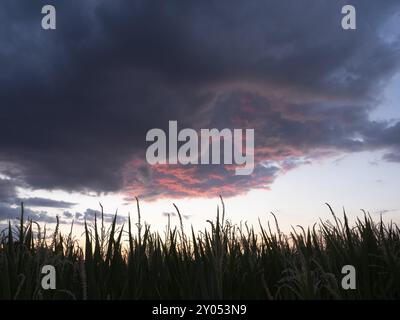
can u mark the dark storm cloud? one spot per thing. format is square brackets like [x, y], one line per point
[76, 103]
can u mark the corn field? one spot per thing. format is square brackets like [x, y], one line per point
[225, 261]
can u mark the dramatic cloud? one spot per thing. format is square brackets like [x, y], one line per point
[76, 103]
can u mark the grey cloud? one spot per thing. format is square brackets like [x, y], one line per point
[68, 214]
[90, 214]
[14, 213]
[7, 190]
[392, 156]
[174, 214]
[43, 202]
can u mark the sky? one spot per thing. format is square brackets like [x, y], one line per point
[76, 104]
